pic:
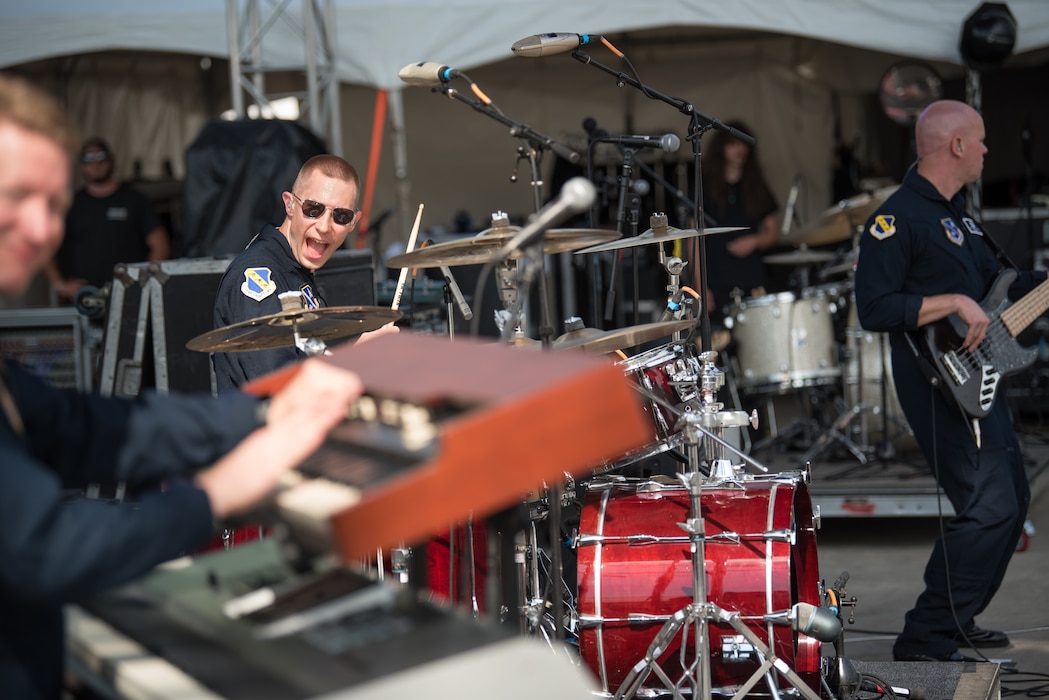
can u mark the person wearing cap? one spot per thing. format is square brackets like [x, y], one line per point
[109, 222]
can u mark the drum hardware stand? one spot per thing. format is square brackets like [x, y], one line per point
[701, 613]
[838, 431]
[452, 293]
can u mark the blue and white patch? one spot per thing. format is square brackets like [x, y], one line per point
[884, 226]
[257, 284]
[971, 226]
[954, 234]
[307, 296]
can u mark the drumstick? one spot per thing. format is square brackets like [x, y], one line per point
[404, 270]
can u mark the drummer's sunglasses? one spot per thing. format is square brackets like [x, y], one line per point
[315, 210]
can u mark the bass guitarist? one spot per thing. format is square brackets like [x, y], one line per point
[924, 259]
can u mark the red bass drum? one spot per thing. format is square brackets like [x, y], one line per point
[635, 572]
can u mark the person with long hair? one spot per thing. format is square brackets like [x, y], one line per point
[735, 193]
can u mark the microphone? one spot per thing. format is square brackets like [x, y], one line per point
[819, 623]
[554, 42]
[457, 293]
[576, 196]
[668, 142]
[427, 74]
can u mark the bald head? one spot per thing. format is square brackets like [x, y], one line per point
[949, 138]
[941, 122]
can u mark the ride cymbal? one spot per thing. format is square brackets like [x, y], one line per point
[483, 248]
[650, 236]
[279, 330]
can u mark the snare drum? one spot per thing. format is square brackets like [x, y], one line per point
[786, 342]
[635, 572]
[671, 374]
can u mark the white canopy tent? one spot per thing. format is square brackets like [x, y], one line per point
[795, 71]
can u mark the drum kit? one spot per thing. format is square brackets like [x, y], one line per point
[809, 341]
[703, 581]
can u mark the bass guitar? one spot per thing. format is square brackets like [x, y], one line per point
[972, 377]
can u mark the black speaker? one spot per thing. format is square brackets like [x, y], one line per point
[182, 306]
[348, 279]
[1021, 233]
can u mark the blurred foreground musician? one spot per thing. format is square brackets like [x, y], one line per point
[197, 459]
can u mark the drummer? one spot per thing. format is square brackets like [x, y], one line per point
[735, 193]
[319, 212]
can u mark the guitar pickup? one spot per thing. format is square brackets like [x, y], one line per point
[955, 369]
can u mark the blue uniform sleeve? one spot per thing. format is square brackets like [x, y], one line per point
[85, 438]
[56, 548]
[882, 303]
[233, 306]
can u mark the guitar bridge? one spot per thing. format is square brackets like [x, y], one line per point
[955, 369]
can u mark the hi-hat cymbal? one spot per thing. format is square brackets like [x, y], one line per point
[482, 248]
[278, 330]
[597, 342]
[839, 222]
[799, 257]
[650, 236]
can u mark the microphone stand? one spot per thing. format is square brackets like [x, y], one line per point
[626, 169]
[517, 129]
[538, 142]
[699, 124]
[534, 257]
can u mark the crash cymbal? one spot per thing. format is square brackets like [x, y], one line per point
[278, 330]
[482, 248]
[838, 223]
[597, 342]
[799, 257]
[860, 207]
[650, 236]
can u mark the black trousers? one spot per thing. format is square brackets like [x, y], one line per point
[990, 494]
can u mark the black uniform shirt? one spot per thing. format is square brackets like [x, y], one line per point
[916, 245]
[249, 289]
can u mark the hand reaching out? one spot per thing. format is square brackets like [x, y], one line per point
[298, 421]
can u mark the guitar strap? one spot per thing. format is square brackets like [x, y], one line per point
[1003, 258]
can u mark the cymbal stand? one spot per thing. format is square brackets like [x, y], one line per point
[674, 267]
[293, 301]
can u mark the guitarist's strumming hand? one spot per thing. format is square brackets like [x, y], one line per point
[940, 306]
[975, 318]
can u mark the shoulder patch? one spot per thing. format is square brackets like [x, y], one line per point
[257, 284]
[971, 226]
[954, 234]
[884, 226]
